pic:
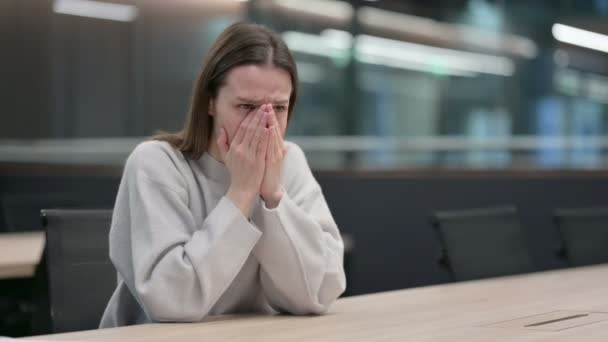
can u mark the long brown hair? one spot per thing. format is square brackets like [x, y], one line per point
[240, 44]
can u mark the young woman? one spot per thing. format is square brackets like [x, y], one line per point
[225, 216]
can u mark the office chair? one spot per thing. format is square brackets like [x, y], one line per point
[81, 277]
[584, 235]
[22, 211]
[481, 243]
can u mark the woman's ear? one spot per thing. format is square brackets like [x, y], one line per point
[211, 109]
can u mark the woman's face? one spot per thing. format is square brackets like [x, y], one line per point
[246, 88]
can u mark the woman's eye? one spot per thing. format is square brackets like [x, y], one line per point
[247, 106]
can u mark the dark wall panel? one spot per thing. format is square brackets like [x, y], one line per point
[92, 76]
[395, 246]
[388, 217]
[24, 66]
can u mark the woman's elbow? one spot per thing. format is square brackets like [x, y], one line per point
[308, 308]
[328, 294]
[331, 290]
[162, 307]
[163, 311]
[172, 317]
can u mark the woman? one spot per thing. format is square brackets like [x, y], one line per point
[225, 216]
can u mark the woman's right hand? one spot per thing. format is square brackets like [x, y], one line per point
[245, 158]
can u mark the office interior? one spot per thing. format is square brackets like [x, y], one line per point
[454, 140]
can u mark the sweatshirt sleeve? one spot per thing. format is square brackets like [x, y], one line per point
[301, 250]
[179, 270]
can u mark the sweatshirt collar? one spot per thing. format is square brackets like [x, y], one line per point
[214, 169]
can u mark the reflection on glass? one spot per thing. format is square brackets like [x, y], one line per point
[384, 84]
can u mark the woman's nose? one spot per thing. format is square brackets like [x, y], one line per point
[269, 108]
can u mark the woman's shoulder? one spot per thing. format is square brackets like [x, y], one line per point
[155, 157]
[295, 159]
[294, 152]
[297, 177]
[154, 150]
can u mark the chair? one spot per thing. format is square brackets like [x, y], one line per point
[81, 277]
[584, 235]
[349, 248]
[481, 243]
[22, 211]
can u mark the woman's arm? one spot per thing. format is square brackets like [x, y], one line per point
[179, 275]
[300, 251]
[175, 275]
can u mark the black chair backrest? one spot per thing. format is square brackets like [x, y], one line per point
[80, 274]
[21, 211]
[584, 235]
[481, 243]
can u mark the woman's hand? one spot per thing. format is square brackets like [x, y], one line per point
[245, 159]
[271, 190]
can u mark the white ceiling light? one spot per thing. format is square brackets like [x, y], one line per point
[337, 10]
[96, 9]
[579, 37]
[398, 54]
[452, 34]
[437, 58]
[307, 43]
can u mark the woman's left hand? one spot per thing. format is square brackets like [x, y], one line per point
[270, 189]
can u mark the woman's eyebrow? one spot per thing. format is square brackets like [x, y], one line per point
[253, 101]
[244, 99]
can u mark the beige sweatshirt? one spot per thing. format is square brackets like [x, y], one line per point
[183, 251]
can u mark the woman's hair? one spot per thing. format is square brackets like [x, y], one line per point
[239, 44]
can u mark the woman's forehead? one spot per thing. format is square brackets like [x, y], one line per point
[259, 83]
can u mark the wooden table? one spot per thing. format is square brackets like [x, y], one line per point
[516, 308]
[20, 254]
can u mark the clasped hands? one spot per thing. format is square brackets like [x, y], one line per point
[254, 158]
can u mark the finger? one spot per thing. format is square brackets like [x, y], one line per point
[259, 133]
[240, 133]
[273, 113]
[279, 136]
[222, 143]
[273, 119]
[263, 145]
[273, 122]
[270, 153]
[279, 141]
[252, 126]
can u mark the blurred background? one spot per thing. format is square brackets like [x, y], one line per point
[407, 108]
[384, 84]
